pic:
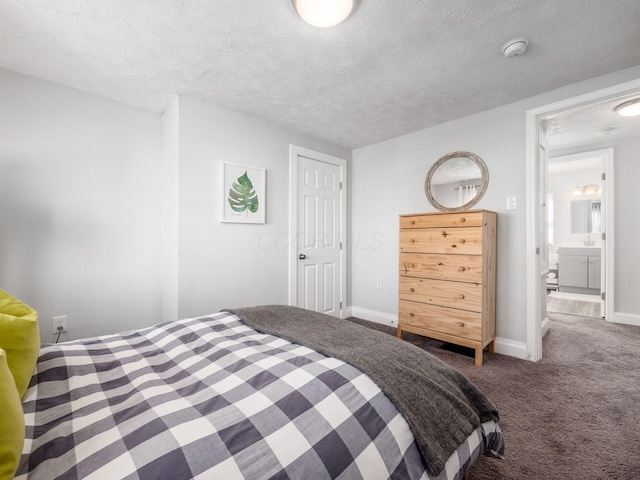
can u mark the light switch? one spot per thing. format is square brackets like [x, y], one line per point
[512, 203]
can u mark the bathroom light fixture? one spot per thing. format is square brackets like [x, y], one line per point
[629, 109]
[588, 189]
[324, 13]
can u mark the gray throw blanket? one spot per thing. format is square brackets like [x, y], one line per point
[441, 406]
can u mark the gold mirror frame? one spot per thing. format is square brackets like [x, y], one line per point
[484, 174]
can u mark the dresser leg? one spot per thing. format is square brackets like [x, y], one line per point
[478, 356]
[399, 332]
[492, 347]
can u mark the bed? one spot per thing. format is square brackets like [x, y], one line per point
[268, 392]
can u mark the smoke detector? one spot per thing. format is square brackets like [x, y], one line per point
[515, 47]
[604, 132]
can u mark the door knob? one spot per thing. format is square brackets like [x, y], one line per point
[302, 256]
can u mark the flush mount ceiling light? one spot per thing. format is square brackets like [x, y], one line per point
[515, 47]
[324, 13]
[629, 109]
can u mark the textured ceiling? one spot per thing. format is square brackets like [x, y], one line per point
[392, 68]
[591, 124]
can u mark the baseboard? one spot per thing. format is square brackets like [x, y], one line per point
[503, 346]
[373, 316]
[626, 318]
[545, 326]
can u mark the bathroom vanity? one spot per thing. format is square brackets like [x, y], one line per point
[579, 270]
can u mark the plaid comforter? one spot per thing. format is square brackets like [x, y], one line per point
[210, 398]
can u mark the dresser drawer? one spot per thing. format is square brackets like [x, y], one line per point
[465, 296]
[459, 219]
[459, 268]
[459, 323]
[451, 240]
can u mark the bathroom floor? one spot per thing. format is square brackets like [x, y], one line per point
[574, 304]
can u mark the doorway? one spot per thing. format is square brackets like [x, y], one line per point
[577, 249]
[536, 291]
[317, 257]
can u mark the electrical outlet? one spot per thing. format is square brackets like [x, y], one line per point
[60, 321]
[378, 283]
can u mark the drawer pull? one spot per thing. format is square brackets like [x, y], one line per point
[462, 240]
[461, 324]
[461, 269]
[444, 234]
[412, 314]
[461, 296]
[412, 289]
[412, 222]
[462, 219]
[413, 240]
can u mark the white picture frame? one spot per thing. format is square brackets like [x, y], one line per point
[242, 201]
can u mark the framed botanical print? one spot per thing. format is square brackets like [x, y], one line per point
[242, 193]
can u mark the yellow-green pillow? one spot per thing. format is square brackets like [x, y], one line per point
[11, 422]
[19, 338]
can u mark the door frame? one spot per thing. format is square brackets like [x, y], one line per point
[296, 151]
[534, 292]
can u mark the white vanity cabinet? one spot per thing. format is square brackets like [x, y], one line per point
[579, 270]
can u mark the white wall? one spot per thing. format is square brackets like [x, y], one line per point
[562, 186]
[79, 207]
[170, 214]
[388, 180]
[224, 265]
[109, 214]
[627, 226]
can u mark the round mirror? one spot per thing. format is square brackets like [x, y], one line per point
[456, 181]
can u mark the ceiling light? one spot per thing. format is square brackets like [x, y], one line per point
[324, 13]
[515, 47]
[629, 109]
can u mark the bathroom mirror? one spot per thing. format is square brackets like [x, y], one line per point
[585, 216]
[456, 181]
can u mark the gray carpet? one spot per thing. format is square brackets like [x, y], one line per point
[573, 415]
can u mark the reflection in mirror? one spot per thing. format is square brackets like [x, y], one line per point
[456, 181]
[586, 216]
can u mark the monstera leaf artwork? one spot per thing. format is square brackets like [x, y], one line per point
[242, 196]
[242, 193]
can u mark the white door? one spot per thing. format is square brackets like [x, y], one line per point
[604, 223]
[543, 240]
[319, 223]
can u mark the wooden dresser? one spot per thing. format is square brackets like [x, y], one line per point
[447, 277]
